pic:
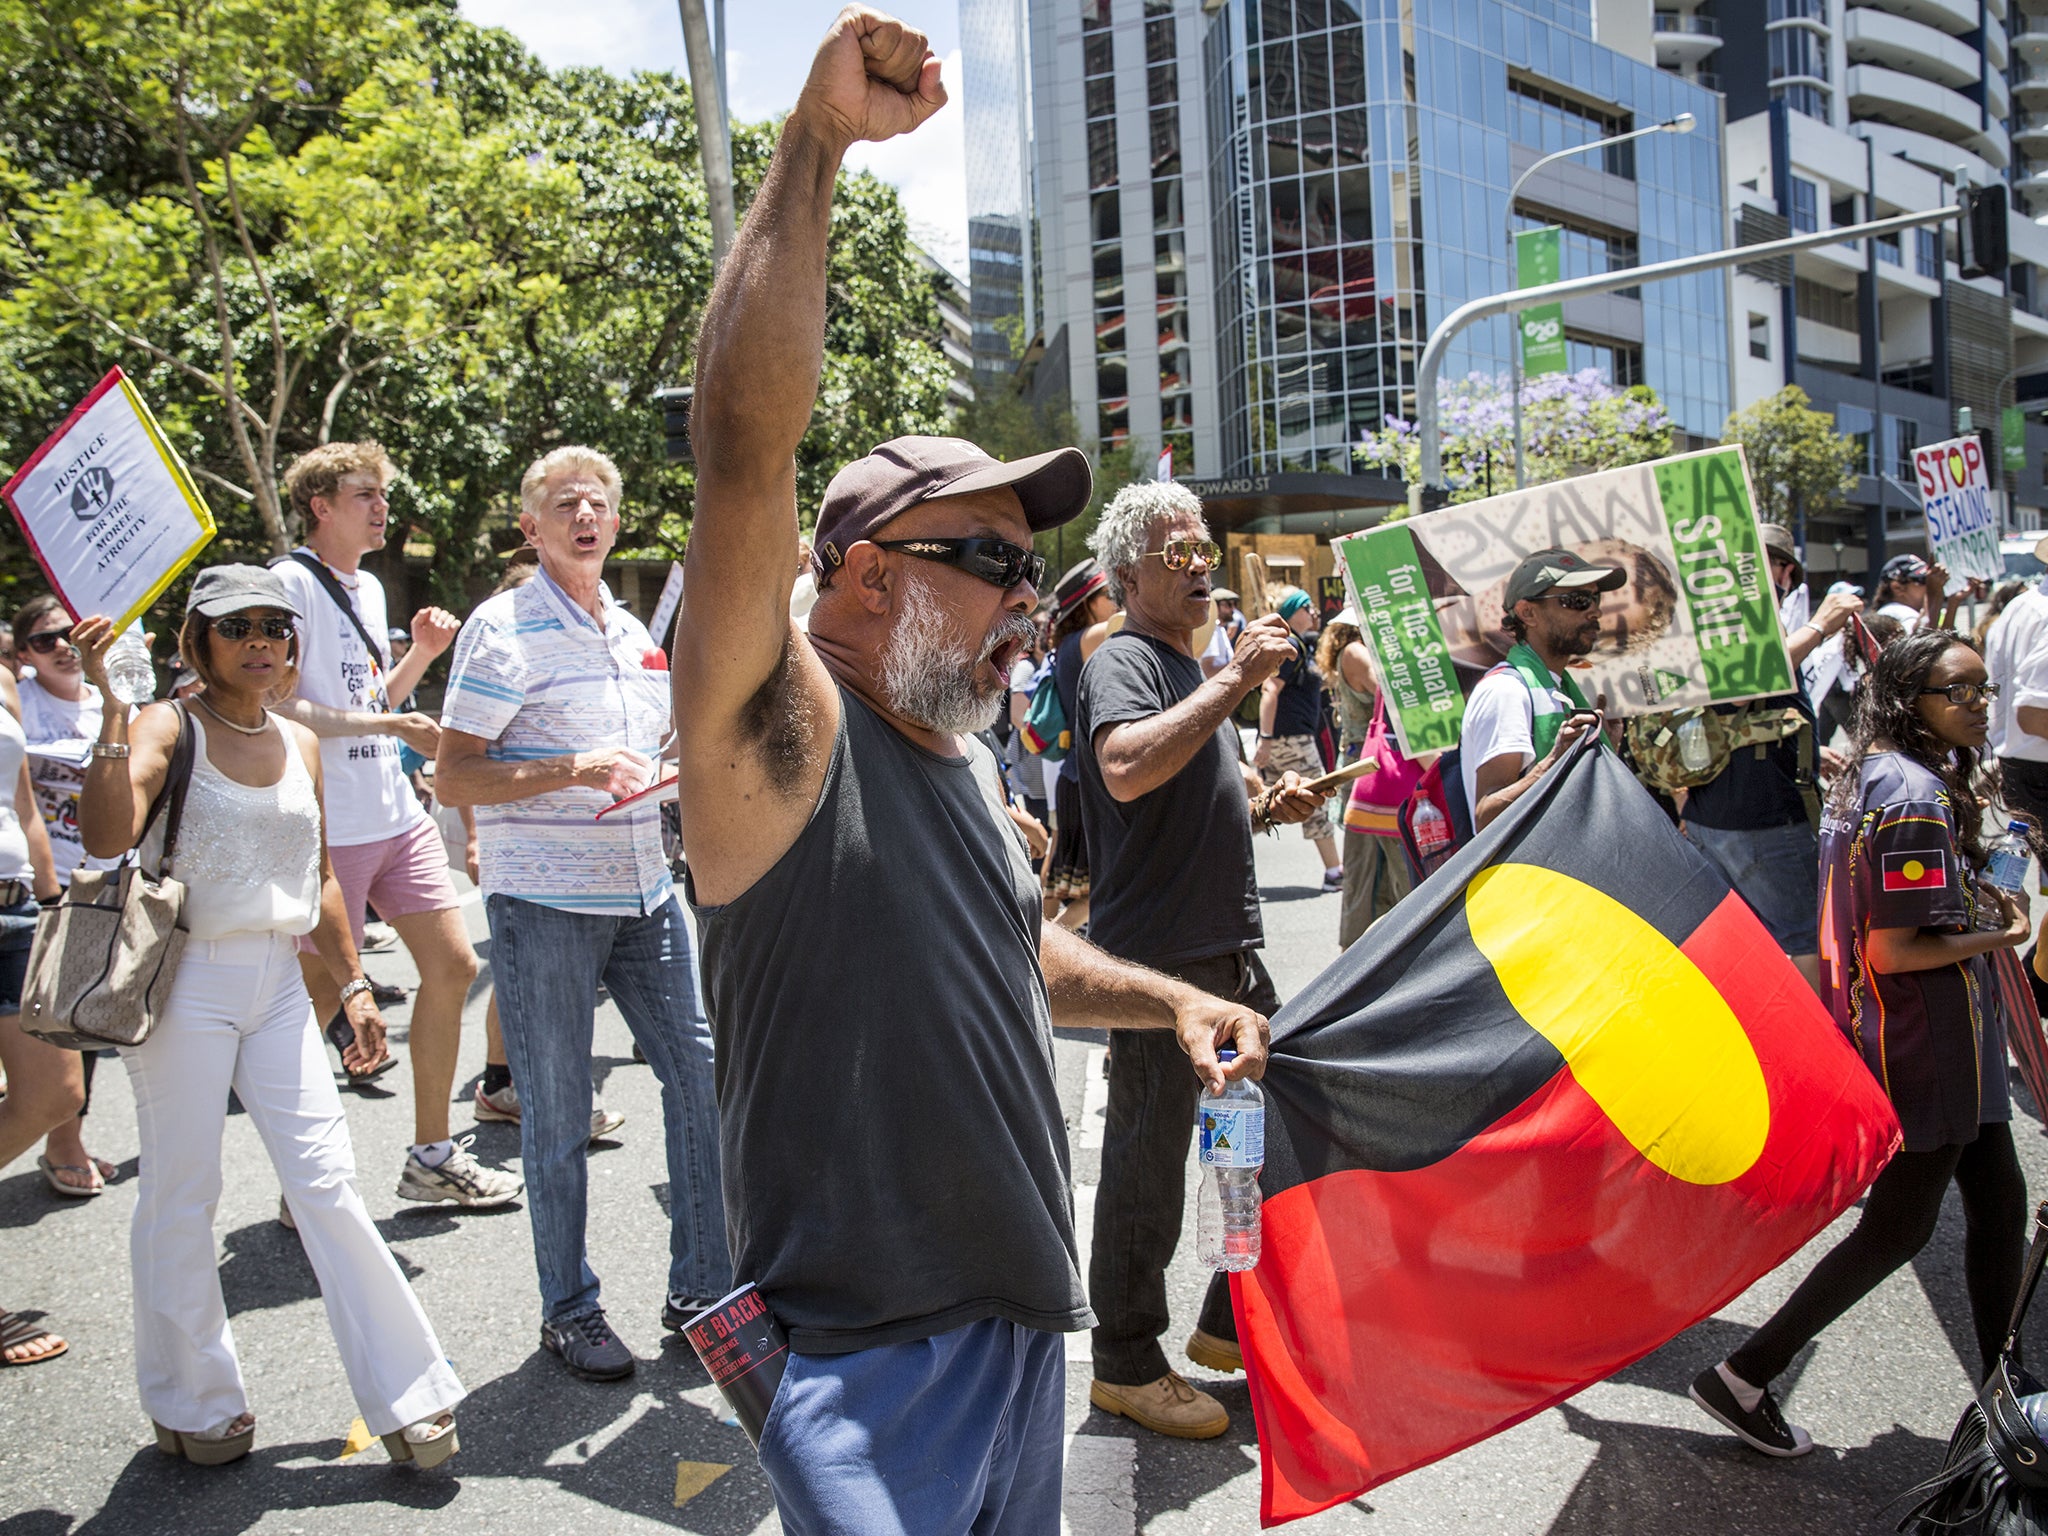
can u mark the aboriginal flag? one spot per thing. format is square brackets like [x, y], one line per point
[1563, 1102]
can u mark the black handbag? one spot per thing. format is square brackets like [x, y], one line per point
[1994, 1480]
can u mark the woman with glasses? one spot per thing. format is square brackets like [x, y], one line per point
[60, 715]
[1906, 928]
[253, 858]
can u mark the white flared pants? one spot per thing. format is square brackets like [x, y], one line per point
[239, 1017]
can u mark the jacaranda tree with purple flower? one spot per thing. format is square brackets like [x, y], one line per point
[1572, 424]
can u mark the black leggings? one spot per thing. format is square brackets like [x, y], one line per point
[1898, 1219]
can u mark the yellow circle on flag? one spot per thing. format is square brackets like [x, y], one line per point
[1913, 869]
[1643, 1031]
[1956, 470]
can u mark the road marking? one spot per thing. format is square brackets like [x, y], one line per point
[1101, 1493]
[1094, 1099]
[1084, 1231]
[693, 1477]
[359, 1438]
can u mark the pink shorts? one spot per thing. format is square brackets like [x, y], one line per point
[398, 876]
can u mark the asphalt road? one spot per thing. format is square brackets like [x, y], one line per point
[544, 1453]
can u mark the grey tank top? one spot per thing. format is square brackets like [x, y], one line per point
[895, 1158]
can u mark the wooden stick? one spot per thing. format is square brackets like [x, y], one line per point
[1257, 600]
[1262, 803]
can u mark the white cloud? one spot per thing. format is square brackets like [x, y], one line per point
[929, 169]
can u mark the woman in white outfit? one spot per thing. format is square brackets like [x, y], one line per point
[254, 862]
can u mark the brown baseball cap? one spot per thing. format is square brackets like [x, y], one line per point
[1549, 568]
[1778, 541]
[1054, 488]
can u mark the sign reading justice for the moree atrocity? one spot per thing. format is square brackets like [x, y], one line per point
[1962, 518]
[1696, 622]
[107, 507]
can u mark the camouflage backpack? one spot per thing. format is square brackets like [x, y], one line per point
[1654, 747]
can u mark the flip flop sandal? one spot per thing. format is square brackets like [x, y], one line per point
[16, 1330]
[72, 1191]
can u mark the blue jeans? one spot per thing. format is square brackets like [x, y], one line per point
[961, 1432]
[547, 964]
[1776, 870]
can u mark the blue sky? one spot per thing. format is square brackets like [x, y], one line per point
[767, 57]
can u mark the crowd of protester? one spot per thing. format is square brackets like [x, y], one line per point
[901, 752]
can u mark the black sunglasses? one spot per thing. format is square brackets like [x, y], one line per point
[48, 640]
[996, 561]
[1577, 602]
[237, 627]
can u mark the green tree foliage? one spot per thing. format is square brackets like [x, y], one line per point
[1798, 462]
[1572, 424]
[295, 221]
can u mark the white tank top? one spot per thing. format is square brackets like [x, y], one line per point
[249, 858]
[14, 863]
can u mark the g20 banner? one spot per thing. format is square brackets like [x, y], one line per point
[108, 509]
[1696, 622]
[1962, 515]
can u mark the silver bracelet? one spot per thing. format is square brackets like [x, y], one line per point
[110, 749]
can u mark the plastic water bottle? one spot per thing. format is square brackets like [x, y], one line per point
[1692, 744]
[1233, 1128]
[2008, 866]
[129, 674]
[1432, 831]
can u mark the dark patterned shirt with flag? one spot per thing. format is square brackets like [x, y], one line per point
[1934, 1039]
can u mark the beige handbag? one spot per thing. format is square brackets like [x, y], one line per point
[101, 968]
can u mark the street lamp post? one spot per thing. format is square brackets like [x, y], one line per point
[1683, 123]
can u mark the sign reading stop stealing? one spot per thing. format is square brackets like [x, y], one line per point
[1962, 516]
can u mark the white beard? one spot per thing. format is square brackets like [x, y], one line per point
[927, 677]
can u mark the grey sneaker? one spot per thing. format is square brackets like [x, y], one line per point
[588, 1347]
[504, 1106]
[462, 1179]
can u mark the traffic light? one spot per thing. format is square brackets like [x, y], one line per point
[675, 420]
[1980, 232]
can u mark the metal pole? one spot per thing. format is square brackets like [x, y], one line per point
[1606, 282]
[1680, 124]
[711, 127]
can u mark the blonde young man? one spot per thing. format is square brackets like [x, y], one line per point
[385, 848]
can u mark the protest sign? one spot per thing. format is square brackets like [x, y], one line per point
[108, 509]
[665, 605]
[1696, 622]
[1536, 263]
[1962, 517]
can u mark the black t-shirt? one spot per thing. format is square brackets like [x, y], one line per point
[1170, 873]
[1759, 787]
[1934, 1039]
[1066, 682]
[1300, 706]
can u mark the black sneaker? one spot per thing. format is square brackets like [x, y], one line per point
[1761, 1428]
[676, 1311]
[588, 1347]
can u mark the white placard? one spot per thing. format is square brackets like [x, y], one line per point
[107, 507]
[1962, 514]
[665, 606]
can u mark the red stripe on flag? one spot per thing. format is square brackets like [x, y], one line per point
[1398, 1317]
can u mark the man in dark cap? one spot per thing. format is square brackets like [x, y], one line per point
[880, 982]
[1526, 712]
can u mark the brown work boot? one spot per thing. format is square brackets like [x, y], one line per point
[1214, 1354]
[1168, 1406]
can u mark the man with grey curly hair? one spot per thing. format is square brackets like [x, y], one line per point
[1165, 798]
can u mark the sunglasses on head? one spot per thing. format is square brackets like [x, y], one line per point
[1577, 602]
[48, 640]
[1967, 695]
[237, 626]
[1179, 554]
[996, 561]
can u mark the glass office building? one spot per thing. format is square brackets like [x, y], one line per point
[1251, 212]
[996, 129]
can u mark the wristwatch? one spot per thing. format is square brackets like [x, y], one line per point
[360, 984]
[110, 749]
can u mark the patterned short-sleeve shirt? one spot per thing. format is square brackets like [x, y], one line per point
[535, 676]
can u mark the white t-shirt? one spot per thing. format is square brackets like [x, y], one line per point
[2016, 655]
[1500, 718]
[14, 861]
[60, 734]
[1910, 617]
[368, 797]
[1221, 648]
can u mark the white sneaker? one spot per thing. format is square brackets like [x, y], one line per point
[503, 1106]
[603, 1122]
[377, 937]
[461, 1179]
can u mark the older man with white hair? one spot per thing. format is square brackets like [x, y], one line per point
[557, 706]
[1166, 797]
[882, 984]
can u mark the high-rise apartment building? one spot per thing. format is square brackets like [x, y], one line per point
[1250, 214]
